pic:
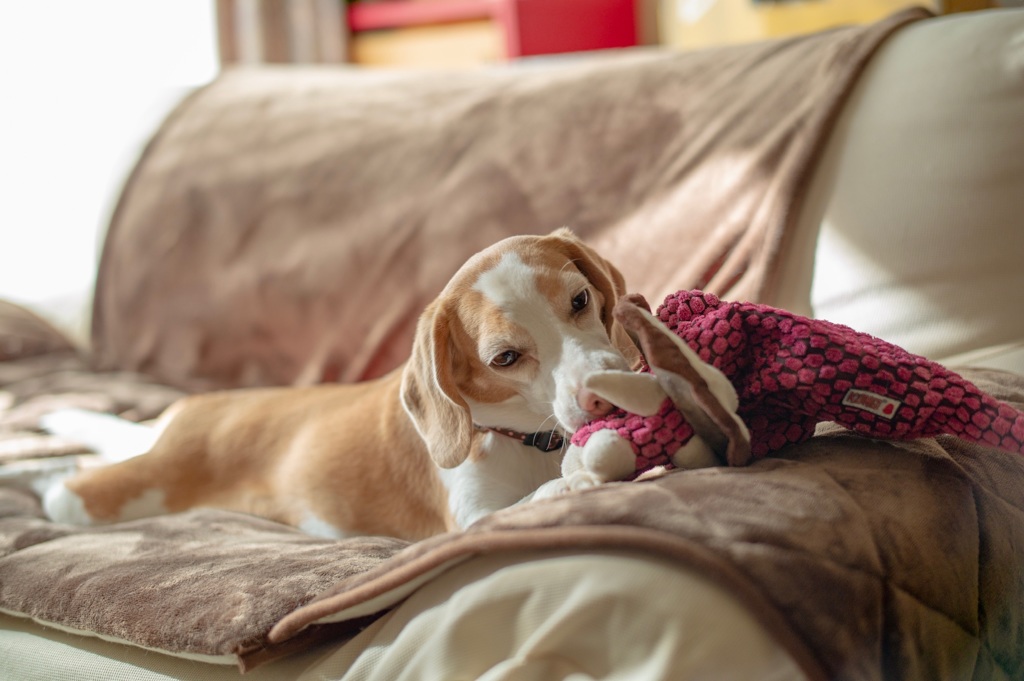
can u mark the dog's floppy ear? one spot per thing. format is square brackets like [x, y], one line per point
[607, 279]
[429, 393]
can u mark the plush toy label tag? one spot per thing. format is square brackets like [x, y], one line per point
[862, 399]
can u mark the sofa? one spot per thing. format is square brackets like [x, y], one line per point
[284, 226]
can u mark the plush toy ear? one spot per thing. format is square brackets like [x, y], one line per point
[701, 392]
[636, 393]
[430, 396]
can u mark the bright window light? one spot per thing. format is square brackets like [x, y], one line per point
[85, 84]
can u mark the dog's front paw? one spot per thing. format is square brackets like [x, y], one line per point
[581, 480]
[551, 488]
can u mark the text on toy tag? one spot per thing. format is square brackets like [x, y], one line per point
[862, 399]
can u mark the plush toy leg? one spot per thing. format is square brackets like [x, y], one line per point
[695, 454]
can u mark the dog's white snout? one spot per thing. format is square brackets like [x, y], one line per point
[593, 404]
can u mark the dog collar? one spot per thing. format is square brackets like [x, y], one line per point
[545, 440]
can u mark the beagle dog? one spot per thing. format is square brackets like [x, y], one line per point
[473, 422]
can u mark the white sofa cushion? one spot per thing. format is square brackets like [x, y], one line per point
[920, 196]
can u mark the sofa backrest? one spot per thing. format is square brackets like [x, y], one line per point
[288, 225]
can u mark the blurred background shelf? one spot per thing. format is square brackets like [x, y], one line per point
[692, 24]
[467, 33]
[419, 33]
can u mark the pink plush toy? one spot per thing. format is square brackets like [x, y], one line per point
[736, 381]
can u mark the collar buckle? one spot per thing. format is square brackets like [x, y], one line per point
[545, 441]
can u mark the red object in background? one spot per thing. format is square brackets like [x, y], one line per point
[530, 27]
[551, 26]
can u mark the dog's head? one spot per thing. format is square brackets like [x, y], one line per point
[510, 342]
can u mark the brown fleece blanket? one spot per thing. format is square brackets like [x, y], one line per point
[41, 370]
[866, 560]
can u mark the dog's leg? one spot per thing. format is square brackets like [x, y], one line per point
[122, 491]
[171, 476]
[125, 489]
[551, 488]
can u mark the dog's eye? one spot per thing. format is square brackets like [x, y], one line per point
[579, 303]
[506, 359]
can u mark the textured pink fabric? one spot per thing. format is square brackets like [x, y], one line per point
[792, 372]
[653, 438]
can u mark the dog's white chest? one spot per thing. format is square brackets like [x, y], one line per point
[507, 473]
